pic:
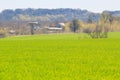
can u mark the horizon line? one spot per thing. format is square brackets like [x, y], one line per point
[56, 8]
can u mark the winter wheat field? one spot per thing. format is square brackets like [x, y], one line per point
[60, 57]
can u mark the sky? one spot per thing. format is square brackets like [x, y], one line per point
[90, 5]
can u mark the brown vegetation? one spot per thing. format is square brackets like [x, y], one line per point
[107, 23]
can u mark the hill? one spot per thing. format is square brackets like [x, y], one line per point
[51, 15]
[47, 15]
[114, 13]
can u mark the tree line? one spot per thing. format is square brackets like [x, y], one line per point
[99, 29]
[95, 25]
[46, 15]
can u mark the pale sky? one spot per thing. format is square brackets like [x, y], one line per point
[90, 5]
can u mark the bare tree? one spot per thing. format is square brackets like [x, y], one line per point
[105, 24]
[102, 27]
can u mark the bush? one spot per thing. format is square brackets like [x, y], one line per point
[2, 33]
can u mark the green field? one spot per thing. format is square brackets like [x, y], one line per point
[60, 57]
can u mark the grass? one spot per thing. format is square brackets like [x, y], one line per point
[60, 57]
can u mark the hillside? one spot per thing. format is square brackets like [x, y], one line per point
[51, 15]
[47, 15]
[114, 13]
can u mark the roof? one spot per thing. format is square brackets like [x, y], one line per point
[33, 22]
[54, 28]
[62, 24]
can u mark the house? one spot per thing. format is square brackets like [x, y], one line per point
[55, 28]
[33, 26]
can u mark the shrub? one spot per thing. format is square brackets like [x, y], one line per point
[2, 33]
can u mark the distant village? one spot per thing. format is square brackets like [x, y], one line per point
[31, 25]
[30, 28]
